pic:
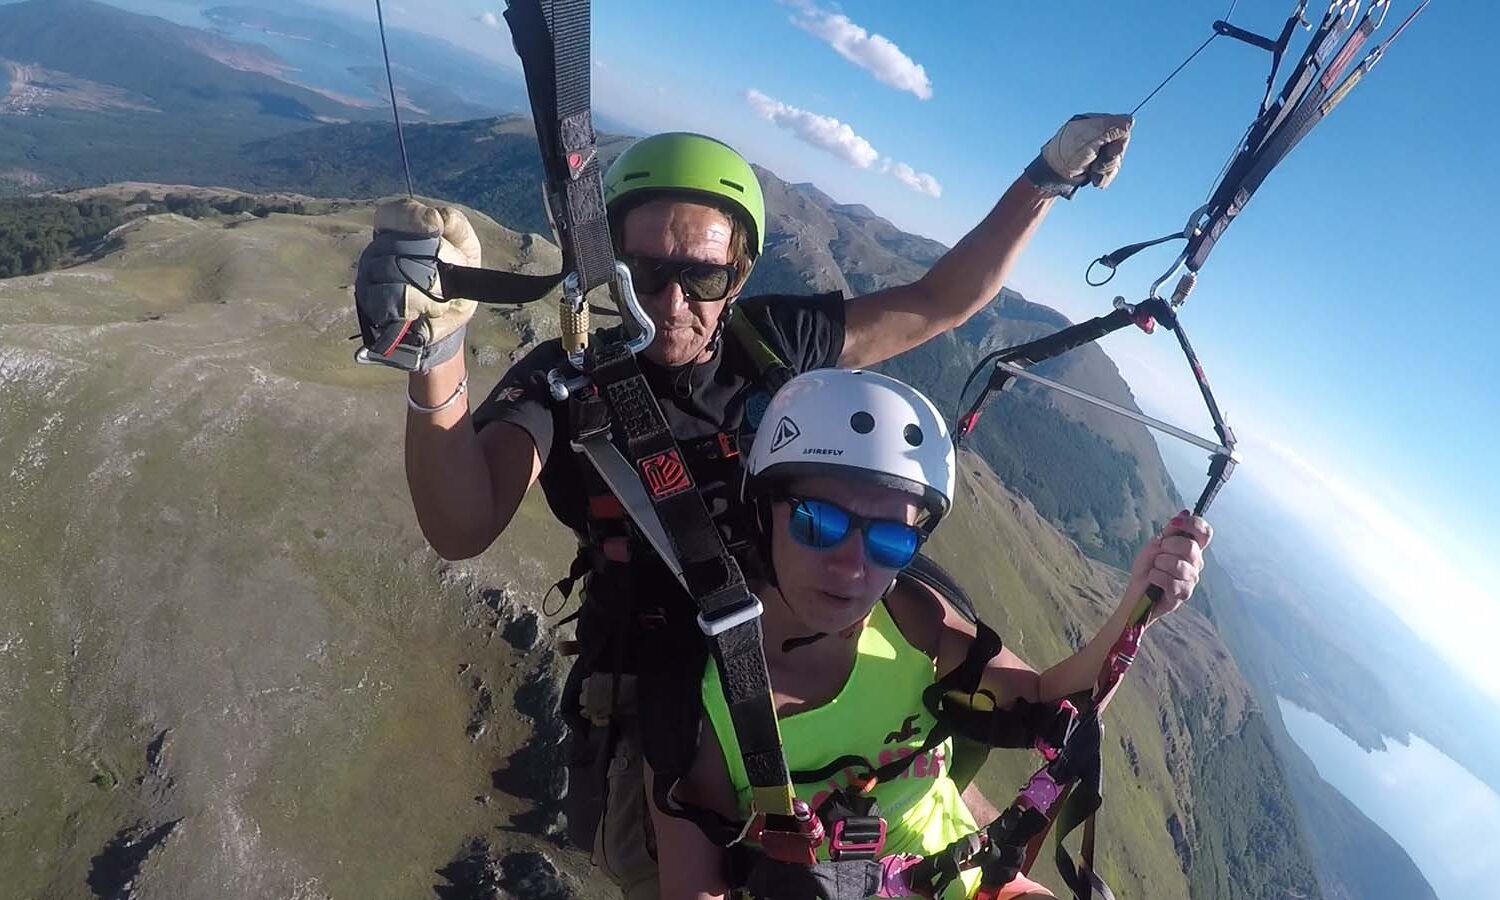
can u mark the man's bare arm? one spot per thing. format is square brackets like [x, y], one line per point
[465, 487]
[889, 322]
[1088, 149]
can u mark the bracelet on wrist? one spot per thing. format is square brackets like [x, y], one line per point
[458, 392]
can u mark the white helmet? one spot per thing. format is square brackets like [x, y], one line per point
[850, 422]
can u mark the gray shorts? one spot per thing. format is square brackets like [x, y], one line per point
[624, 840]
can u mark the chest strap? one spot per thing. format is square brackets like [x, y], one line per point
[771, 371]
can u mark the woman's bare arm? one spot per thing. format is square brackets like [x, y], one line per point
[690, 866]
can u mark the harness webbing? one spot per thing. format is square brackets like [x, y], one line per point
[552, 39]
[1067, 789]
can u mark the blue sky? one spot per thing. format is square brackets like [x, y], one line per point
[1348, 318]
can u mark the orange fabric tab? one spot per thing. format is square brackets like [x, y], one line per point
[606, 506]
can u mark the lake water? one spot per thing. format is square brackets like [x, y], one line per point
[1444, 817]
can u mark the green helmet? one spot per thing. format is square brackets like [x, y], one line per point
[680, 162]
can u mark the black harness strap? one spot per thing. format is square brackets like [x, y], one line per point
[1036, 351]
[552, 39]
[953, 699]
[1067, 790]
[728, 611]
[493, 285]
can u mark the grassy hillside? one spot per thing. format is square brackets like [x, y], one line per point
[1096, 475]
[229, 665]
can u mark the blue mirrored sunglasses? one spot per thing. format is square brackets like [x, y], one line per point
[822, 525]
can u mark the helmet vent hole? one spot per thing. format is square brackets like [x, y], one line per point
[913, 435]
[636, 176]
[862, 422]
[727, 183]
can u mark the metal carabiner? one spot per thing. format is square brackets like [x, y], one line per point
[1192, 229]
[574, 312]
[623, 291]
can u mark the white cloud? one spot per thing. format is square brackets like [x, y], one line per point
[489, 20]
[823, 132]
[837, 137]
[920, 182]
[874, 53]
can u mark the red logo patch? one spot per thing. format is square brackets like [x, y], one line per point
[510, 394]
[665, 475]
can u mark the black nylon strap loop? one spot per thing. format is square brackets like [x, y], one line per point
[1112, 261]
[493, 285]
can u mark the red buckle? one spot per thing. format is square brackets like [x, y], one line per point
[790, 839]
[727, 449]
[1146, 323]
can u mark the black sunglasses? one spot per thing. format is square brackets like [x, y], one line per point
[700, 281]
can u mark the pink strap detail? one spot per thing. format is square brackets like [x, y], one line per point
[893, 875]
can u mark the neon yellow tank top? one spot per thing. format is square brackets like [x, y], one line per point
[878, 715]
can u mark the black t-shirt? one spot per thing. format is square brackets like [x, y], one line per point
[700, 403]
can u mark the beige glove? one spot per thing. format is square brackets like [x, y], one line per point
[404, 320]
[1088, 149]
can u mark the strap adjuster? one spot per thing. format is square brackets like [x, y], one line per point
[857, 837]
[403, 356]
[732, 617]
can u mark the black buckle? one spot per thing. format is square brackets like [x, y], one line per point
[852, 818]
[590, 416]
[856, 837]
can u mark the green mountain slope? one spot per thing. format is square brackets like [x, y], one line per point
[1096, 475]
[1286, 652]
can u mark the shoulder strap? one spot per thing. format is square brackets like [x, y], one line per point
[771, 370]
[611, 396]
[928, 573]
[955, 699]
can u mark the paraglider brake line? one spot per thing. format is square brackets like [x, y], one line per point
[395, 109]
